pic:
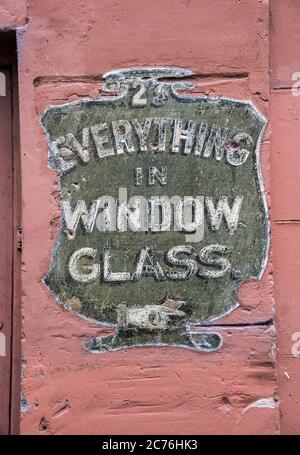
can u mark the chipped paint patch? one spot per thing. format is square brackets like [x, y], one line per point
[268, 403]
[74, 303]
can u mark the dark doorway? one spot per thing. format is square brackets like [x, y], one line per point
[10, 231]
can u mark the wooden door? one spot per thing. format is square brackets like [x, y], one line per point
[6, 245]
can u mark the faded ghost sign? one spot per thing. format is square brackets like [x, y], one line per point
[163, 215]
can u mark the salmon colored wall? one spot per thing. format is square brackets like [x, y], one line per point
[63, 49]
[285, 117]
[12, 14]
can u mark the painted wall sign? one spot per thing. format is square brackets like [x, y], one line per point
[163, 213]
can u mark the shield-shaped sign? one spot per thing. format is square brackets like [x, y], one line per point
[163, 212]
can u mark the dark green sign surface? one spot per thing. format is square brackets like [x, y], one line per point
[163, 215]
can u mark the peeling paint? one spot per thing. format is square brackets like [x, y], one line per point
[24, 405]
[265, 403]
